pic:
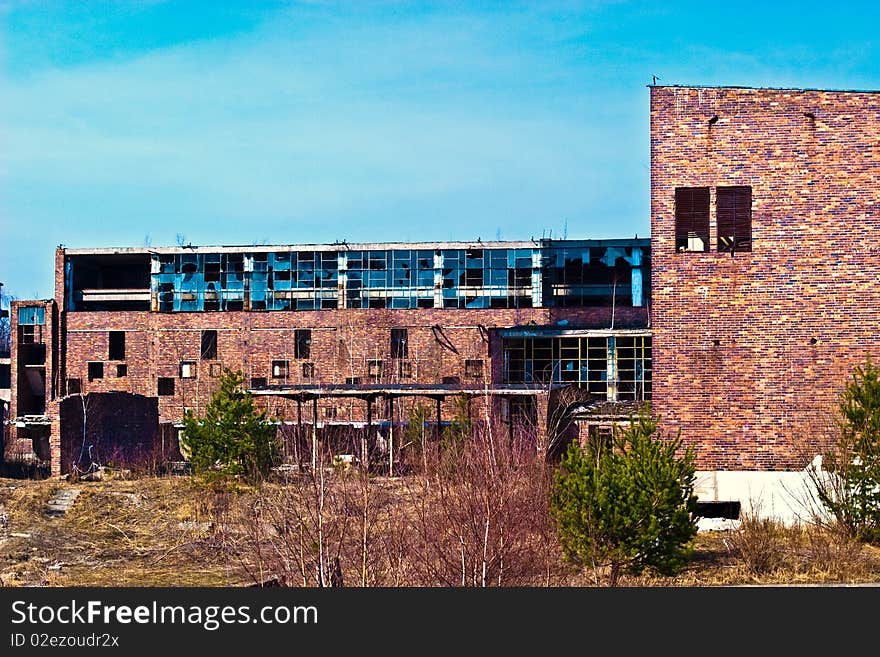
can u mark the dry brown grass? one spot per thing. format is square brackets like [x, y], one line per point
[118, 533]
[129, 533]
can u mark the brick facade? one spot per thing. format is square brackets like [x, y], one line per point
[751, 349]
[344, 342]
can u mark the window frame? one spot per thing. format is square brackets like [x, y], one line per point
[691, 219]
[302, 344]
[733, 216]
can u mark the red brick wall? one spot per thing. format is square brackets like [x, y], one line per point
[342, 342]
[755, 400]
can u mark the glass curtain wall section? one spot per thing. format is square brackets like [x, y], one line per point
[616, 368]
[200, 281]
[592, 276]
[549, 275]
[487, 278]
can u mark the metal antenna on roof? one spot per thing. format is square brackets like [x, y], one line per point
[655, 78]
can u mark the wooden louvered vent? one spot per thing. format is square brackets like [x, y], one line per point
[691, 218]
[734, 212]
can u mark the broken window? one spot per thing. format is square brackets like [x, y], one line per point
[330, 412]
[188, 369]
[734, 213]
[258, 382]
[30, 334]
[165, 387]
[96, 370]
[302, 343]
[353, 380]
[280, 369]
[30, 324]
[31, 315]
[399, 347]
[117, 345]
[607, 367]
[374, 370]
[215, 370]
[209, 345]
[473, 368]
[74, 386]
[691, 219]
[121, 370]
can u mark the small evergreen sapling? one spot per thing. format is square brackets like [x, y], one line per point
[626, 505]
[233, 438]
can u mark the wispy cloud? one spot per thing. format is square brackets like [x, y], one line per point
[322, 120]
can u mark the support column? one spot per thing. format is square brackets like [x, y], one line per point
[365, 456]
[439, 431]
[314, 434]
[510, 406]
[391, 436]
[299, 433]
[611, 370]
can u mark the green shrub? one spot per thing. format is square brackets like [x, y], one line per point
[626, 505]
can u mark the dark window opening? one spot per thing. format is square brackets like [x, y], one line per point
[308, 370]
[374, 370]
[280, 369]
[451, 380]
[473, 369]
[712, 509]
[117, 345]
[96, 370]
[30, 334]
[405, 369]
[121, 370]
[302, 346]
[330, 412]
[353, 380]
[399, 347]
[74, 386]
[209, 344]
[166, 386]
[734, 213]
[258, 382]
[691, 218]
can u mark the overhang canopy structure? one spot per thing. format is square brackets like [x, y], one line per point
[371, 391]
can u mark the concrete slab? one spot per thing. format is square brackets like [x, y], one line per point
[61, 501]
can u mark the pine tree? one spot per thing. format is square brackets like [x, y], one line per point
[852, 493]
[233, 438]
[626, 505]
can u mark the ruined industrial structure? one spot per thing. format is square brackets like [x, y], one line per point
[338, 335]
[756, 291]
[765, 205]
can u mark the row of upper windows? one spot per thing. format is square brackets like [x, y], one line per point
[733, 213]
[280, 369]
[302, 342]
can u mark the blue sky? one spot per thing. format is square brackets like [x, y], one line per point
[127, 123]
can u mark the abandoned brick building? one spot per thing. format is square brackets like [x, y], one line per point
[757, 291]
[765, 209]
[326, 336]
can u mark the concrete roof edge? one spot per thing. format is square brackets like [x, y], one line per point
[356, 246]
[745, 87]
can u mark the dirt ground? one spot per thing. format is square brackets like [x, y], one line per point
[158, 532]
[142, 532]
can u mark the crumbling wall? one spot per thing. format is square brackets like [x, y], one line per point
[116, 428]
